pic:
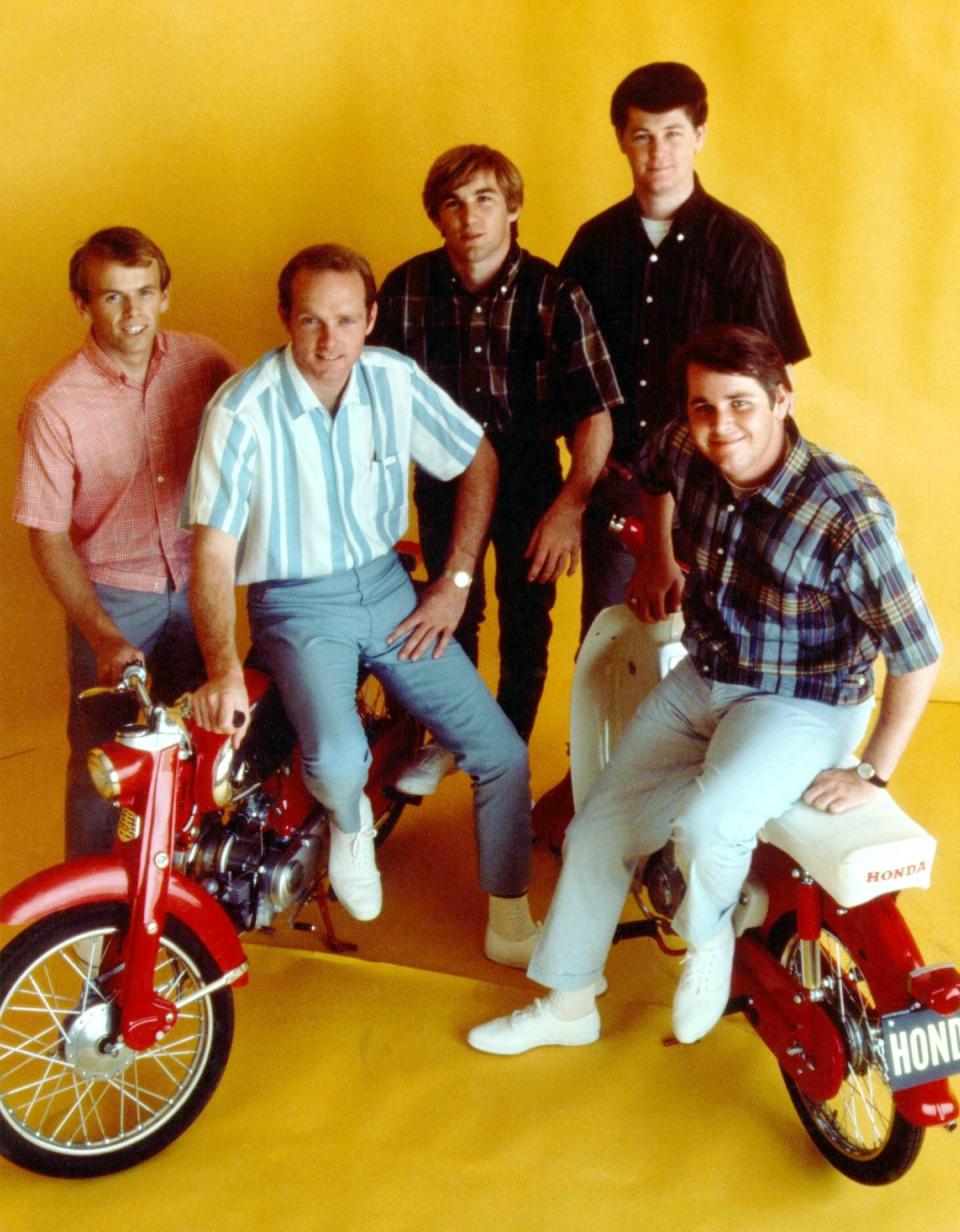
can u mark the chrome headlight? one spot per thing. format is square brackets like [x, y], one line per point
[104, 776]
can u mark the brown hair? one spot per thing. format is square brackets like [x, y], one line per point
[657, 88]
[462, 163]
[731, 348]
[126, 245]
[320, 257]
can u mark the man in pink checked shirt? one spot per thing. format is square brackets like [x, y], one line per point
[108, 438]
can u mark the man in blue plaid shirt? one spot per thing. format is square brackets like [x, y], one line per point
[797, 582]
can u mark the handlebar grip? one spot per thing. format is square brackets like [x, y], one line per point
[239, 718]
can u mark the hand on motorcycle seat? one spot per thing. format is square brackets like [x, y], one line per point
[219, 702]
[656, 586]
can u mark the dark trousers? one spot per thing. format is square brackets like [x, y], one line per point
[524, 607]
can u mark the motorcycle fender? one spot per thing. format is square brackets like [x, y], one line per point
[933, 1103]
[98, 879]
[798, 1032]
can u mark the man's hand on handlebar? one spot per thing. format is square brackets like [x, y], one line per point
[222, 705]
[113, 657]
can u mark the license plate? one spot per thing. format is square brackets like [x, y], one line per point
[920, 1046]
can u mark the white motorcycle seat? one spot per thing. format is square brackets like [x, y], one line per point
[856, 856]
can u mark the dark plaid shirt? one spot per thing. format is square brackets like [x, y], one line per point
[713, 267]
[795, 589]
[524, 358]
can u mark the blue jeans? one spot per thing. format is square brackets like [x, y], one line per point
[704, 764]
[314, 635]
[160, 625]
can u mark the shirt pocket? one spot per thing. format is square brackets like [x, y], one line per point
[387, 484]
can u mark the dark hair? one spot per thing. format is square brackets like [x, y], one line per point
[660, 87]
[462, 163]
[731, 348]
[320, 257]
[126, 245]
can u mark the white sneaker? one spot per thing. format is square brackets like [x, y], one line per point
[423, 773]
[704, 988]
[533, 1027]
[510, 953]
[353, 872]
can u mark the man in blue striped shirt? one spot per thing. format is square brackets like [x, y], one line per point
[797, 582]
[299, 489]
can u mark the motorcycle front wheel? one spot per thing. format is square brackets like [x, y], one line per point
[74, 1102]
[859, 1131]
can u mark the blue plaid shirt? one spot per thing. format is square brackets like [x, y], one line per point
[796, 588]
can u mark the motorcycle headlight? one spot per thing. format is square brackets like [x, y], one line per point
[104, 776]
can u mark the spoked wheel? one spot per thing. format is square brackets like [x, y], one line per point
[859, 1131]
[73, 1100]
[394, 736]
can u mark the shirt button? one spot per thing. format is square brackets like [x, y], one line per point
[646, 342]
[503, 290]
[643, 384]
[478, 308]
[478, 349]
[643, 423]
[653, 257]
[649, 299]
[731, 508]
[160, 479]
[706, 669]
[719, 551]
[680, 238]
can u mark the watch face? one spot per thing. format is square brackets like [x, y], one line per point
[865, 770]
[462, 579]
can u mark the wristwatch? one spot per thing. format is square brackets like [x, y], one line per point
[866, 772]
[460, 578]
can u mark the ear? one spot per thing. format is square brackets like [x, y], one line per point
[371, 319]
[699, 137]
[782, 402]
[81, 305]
[284, 317]
[620, 144]
[165, 298]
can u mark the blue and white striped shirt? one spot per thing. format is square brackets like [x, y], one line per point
[308, 494]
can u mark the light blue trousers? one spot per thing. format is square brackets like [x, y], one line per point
[314, 635]
[706, 765]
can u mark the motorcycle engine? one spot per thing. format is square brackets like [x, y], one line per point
[254, 872]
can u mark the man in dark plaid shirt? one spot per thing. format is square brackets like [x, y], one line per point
[797, 582]
[515, 344]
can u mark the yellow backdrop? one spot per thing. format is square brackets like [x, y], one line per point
[233, 133]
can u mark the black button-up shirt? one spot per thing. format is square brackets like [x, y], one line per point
[524, 357]
[715, 266]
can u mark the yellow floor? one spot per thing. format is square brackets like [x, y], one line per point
[352, 1102]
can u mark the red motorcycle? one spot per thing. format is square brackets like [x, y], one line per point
[116, 1004]
[826, 970]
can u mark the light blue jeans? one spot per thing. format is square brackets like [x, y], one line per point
[313, 636]
[704, 764]
[160, 626]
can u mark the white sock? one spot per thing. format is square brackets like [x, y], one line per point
[570, 1003]
[510, 918]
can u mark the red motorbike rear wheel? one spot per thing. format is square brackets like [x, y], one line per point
[859, 1131]
[74, 1102]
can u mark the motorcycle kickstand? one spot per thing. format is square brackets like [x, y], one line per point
[320, 894]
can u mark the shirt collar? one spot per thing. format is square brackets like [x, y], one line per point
[501, 285]
[778, 486]
[299, 397]
[688, 215]
[103, 363]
